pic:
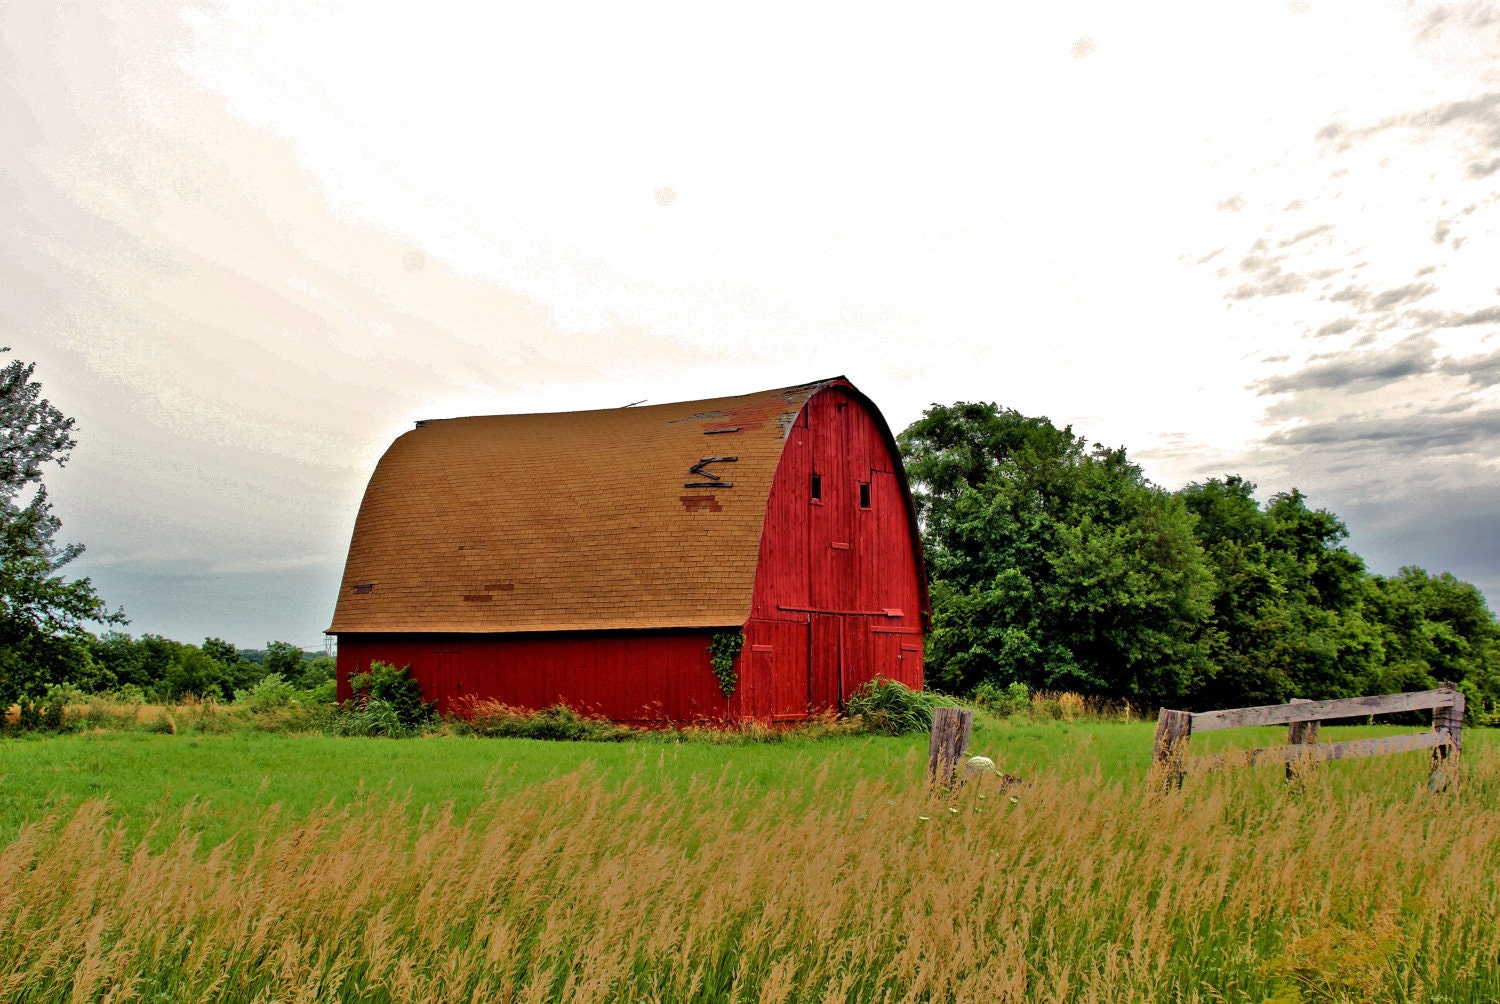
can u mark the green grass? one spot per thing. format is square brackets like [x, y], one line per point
[253, 866]
[232, 778]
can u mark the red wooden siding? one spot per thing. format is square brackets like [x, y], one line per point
[838, 598]
[634, 677]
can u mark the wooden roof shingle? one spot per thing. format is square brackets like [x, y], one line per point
[569, 521]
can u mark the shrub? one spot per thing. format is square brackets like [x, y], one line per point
[36, 716]
[203, 715]
[374, 717]
[64, 695]
[888, 708]
[1067, 706]
[126, 693]
[1003, 701]
[113, 710]
[494, 719]
[271, 691]
[752, 733]
[394, 687]
[323, 693]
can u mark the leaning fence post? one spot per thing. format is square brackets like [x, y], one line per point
[1300, 734]
[1449, 721]
[1169, 751]
[950, 738]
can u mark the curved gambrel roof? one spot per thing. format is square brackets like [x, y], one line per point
[590, 520]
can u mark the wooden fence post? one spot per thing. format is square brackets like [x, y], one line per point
[1169, 751]
[1300, 734]
[950, 738]
[1450, 722]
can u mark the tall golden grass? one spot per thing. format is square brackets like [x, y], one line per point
[1352, 885]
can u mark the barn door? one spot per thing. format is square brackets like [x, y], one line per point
[789, 685]
[825, 661]
[774, 677]
[858, 662]
[898, 656]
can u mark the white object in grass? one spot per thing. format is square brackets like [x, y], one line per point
[980, 764]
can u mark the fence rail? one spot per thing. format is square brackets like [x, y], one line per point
[1174, 729]
[1313, 711]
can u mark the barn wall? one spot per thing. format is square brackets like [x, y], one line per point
[838, 597]
[629, 677]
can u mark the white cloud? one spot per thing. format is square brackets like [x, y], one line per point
[250, 241]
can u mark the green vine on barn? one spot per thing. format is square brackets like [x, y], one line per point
[723, 649]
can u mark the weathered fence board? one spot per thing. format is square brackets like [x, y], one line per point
[1169, 750]
[1344, 707]
[1316, 752]
[1170, 762]
[951, 728]
[1450, 722]
[1300, 733]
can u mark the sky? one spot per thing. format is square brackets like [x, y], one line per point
[249, 242]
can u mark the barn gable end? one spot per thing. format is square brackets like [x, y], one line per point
[587, 557]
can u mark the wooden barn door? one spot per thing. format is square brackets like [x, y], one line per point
[898, 656]
[776, 677]
[826, 661]
[790, 681]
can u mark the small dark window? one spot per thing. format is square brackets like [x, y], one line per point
[817, 488]
[864, 494]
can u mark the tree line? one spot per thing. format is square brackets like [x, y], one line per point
[1053, 563]
[48, 621]
[160, 669]
[1057, 564]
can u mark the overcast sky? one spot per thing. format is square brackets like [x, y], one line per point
[249, 243]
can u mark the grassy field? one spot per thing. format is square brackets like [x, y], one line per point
[254, 866]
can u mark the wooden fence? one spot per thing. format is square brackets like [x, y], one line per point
[1174, 729]
[946, 746]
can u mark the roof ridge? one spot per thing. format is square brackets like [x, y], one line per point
[642, 406]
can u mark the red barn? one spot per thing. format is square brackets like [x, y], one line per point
[588, 558]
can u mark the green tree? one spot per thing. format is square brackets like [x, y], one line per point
[316, 673]
[1053, 564]
[1297, 615]
[1058, 565]
[1289, 612]
[283, 657]
[166, 669]
[193, 671]
[119, 660]
[155, 657]
[220, 651]
[1326, 647]
[237, 672]
[1248, 608]
[1436, 629]
[44, 617]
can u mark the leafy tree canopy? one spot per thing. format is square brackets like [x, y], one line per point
[1058, 565]
[44, 618]
[1054, 564]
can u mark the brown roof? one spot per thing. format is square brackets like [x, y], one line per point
[569, 521]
